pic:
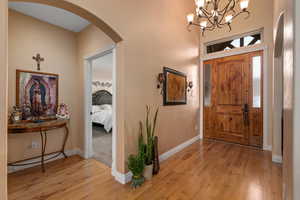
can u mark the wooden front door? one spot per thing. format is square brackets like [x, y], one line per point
[233, 99]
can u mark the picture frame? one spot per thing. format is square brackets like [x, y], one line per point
[175, 87]
[37, 94]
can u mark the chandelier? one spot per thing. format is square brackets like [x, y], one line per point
[210, 15]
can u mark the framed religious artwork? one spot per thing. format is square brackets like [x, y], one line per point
[175, 88]
[37, 94]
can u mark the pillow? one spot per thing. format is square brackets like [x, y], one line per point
[105, 107]
[96, 109]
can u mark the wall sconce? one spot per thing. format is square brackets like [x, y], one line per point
[190, 86]
[160, 82]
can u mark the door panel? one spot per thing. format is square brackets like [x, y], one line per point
[229, 83]
[231, 116]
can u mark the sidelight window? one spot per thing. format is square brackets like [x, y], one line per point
[256, 81]
[207, 84]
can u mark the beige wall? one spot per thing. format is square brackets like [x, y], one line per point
[258, 19]
[3, 99]
[151, 41]
[58, 46]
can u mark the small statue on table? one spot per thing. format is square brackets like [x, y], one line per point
[26, 112]
[63, 111]
[15, 115]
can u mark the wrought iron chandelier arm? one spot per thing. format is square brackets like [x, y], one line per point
[206, 14]
[241, 12]
[208, 17]
[225, 9]
[224, 13]
[210, 28]
[195, 24]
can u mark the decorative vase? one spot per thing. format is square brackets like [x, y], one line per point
[148, 172]
[156, 166]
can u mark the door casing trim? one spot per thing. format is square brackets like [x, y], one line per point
[88, 149]
[233, 52]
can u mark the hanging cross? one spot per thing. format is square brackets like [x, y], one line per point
[38, 60]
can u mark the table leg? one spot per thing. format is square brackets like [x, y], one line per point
[43, 142]
[65, 141]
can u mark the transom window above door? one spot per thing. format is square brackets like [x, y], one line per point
[236, 42]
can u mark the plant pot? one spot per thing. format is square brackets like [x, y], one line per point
[148, 172]
[137, 181]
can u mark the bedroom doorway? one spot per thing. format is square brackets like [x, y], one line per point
[99, 106]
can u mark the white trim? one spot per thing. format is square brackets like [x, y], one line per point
[12, 169]
[88, 147]
[122, 178]
[238, 51]
[233, 52]
[234, 37]
[178, 148]
[267, 148]
[100, 52]
[277, 158]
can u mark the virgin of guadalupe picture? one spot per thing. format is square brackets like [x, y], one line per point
[37, 93]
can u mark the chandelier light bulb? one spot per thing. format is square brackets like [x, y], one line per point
[203, 24]
[190, 18]
[244, 4]
[200, 3]
[228, 19]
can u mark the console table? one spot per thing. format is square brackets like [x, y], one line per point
[24, 127]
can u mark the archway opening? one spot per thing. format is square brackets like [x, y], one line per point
[66, 5]
[105, 28]
[278, 136]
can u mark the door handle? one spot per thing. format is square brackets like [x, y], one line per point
[246, 114]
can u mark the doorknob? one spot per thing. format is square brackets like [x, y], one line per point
[246, 114]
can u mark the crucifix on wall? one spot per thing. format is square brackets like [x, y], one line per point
[38, 60]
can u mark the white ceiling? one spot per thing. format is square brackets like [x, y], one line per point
[102, 67]
[52, 15]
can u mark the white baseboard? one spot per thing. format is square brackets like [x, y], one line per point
[126, 178]
[178, 148]
[277, 158]
[120, 177]
[73, 152]
[267, 148]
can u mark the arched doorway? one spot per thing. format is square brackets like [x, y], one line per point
[82, 13]
[119, 162]
[281, 139]
[278, 93]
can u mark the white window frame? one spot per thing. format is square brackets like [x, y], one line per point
[259, 31]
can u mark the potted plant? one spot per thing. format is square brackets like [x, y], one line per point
[149, 146]
[136, 164]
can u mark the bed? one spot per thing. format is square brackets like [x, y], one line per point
[102, 109]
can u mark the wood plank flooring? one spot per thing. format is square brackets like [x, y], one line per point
[206, 170]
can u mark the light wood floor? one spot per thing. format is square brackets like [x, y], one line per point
[205, 171]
